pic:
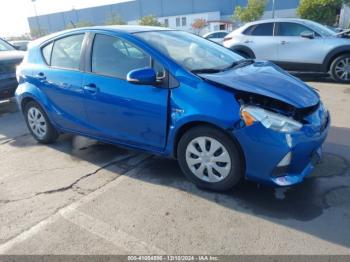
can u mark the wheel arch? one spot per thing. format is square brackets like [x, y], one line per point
[244, 49]
[189, 125]
[333, 54]
[25, 101]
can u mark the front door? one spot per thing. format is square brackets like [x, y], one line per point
[293, 48]
[119, 110]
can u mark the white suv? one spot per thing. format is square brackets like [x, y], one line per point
[295, 45]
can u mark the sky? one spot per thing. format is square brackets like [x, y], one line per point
[14, 13]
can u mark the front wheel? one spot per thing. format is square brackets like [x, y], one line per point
[340, 69]
[210, 158]
[38, 123]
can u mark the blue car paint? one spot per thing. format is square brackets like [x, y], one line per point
[151, 117]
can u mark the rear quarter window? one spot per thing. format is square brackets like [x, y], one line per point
[46, 51]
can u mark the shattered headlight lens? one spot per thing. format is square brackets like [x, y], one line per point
[271, 120]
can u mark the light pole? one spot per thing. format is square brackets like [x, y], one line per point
[36, 16]
[273, 8]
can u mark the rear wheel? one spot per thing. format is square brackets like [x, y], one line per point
[39, 124]
[340, 69]
[210, 158]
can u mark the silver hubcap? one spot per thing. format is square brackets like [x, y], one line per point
[208, 159]
[342, 69]
[37, 122]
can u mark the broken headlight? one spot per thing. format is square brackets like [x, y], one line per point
[271, 120]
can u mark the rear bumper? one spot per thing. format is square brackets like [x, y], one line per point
[264, 151]
[7, 87]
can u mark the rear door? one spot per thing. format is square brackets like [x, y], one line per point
[61, 81]
[293, 48]
[119, 110]
[259, 38]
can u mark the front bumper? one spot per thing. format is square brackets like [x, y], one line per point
[265, 149]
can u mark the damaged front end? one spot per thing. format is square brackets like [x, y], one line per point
[283, 123]
[281, 143]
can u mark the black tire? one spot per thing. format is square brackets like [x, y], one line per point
[51, 134]
[236, 171]
[336, 74]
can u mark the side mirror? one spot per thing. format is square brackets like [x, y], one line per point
[308, 34]
[142, 76]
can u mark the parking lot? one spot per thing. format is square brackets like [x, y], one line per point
[82, 197]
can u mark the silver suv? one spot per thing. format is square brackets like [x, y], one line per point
[295, 45]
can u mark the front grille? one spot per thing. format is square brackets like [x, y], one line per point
[301, 113]
[325, 120]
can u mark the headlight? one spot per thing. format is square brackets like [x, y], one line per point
[268, 119]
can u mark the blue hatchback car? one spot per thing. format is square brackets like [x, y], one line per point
[175, 94]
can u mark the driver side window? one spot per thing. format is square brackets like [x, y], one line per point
[292, 29]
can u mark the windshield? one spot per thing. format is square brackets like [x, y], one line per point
[322, 30]
[192, 52]
[5, 46]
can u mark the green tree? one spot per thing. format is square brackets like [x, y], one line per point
[253, 11]
[198, 25]
[150, 20]
[115, 19]
[79, 24]
[322, 11]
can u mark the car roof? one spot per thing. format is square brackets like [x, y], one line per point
[276, 20]
[19, 41]
[131, 29]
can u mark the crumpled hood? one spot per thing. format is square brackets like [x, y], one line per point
[267, 79]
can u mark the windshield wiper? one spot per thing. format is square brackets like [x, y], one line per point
[206, 71]
[234, 65]
[240, 63]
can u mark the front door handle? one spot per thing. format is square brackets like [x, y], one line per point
[284, 42]
[91, 88]
[248, 42]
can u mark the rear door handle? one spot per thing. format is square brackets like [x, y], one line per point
[91, 88]
[284, 42]
[248, 41]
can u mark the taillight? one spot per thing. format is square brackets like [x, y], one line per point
[227, 39]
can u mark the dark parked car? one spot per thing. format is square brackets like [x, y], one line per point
[9, 59]
[20, 44]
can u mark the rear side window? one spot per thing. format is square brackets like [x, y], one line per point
[222, 35]
[260, 30]
[47, 53]
[291, 29]
[112, 56]
[66, 52]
